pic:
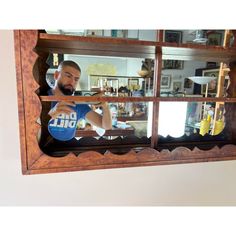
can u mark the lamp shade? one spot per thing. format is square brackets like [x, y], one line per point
[202, 79]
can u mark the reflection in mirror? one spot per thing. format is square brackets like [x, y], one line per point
[106, 76]
[179, 118]
[114, 76]
[193, 36]
[188, 79]
[142, 34]
[50, 78]
[128, 119]
[131, 129]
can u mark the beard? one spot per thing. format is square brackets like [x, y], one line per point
[64, 90]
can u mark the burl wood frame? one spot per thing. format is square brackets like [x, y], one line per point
[31, 50]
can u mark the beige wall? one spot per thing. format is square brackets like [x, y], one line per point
[189, 184]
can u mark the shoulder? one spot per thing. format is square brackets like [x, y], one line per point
[82, 110]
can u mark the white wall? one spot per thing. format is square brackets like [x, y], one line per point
[188, 184]
[180, 75]
[133, 66]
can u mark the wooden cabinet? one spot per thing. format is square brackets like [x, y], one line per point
[40, 155]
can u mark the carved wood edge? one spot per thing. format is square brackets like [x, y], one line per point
[123, 165]
[20, 98]
[32, 102]
[148, 156]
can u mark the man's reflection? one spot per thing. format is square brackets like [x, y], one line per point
[65, 115]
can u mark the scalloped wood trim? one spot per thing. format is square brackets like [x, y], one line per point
[32, 102]
[88, 159]
[123, 165]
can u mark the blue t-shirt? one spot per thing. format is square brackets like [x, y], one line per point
[63, 127]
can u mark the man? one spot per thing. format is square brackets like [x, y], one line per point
[65, 115]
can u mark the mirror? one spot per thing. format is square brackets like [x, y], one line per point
[115, 76]
[188, 79]
[128, 119]
[179, 118]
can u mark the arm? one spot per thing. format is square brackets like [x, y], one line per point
[103, 121]
[61, 108]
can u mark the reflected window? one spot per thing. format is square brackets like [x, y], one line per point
[179, 118]
[172, 118]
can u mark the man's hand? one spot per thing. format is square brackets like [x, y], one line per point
[61, 108]
[104, 105]
[99, 104]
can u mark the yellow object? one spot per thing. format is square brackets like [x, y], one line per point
[219, 126]
[204, 127]
[209, 118]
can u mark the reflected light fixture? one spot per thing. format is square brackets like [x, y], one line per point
[205, 124]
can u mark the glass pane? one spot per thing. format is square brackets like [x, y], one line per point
[193, 79]
[128, 119]
[131, 129]
[138, 34]
[179, 118]
[192, 124]
[114, 76]
[193, 36]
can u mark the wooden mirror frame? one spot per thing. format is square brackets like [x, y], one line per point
[31, 51]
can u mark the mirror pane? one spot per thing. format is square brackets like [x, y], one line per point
[114, 76]
[193, 79]
[128, 119]
[179, 118]
[137, 34]
[195, 36]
